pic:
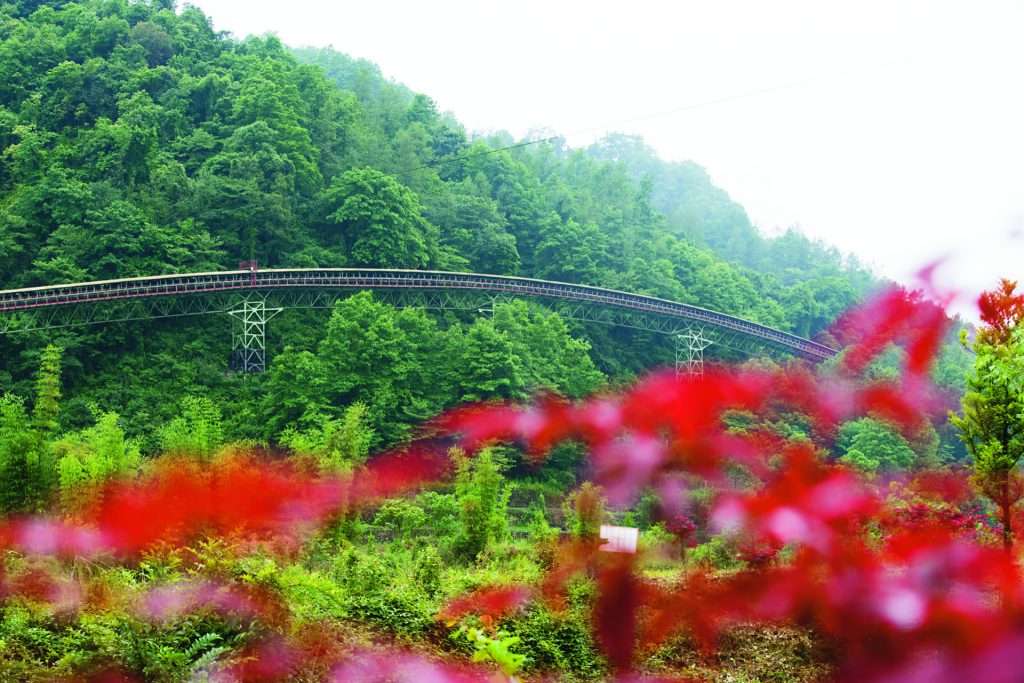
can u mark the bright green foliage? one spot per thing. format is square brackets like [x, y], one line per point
[379, 220]
[542, 535]
[858, 460]
[405, 368]
[26, 448]
[560, 642]
[19, 455]
[338, 444]
[138, 140]
[992, 423]
[442, 512]
[572, 252]
[549, 358]
[487, 366]
[520, 350]
[475, 229]
[295, 392]
[497, 648]
[135, 139]
[482, 494]
[400, 517]
[872, 445]
[716, 553]
[427, 572]
[540, 529]
[47, 405]
[392, 360]
[89, 457]
[197, 431]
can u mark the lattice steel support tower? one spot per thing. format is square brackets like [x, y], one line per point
[249, 336]
[690, 346]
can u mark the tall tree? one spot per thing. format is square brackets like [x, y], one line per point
[47, 405]
[991, 422]
[380, 220]
[18, 448]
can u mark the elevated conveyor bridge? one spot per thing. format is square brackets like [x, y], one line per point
[252, 296]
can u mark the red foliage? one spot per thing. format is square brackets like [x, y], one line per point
[926, 601]
[1001, 309]
[616, 612]
[894, 316]
[266, 661]
[806, 502]
[928, 588]
[949, 486]
[180, 501]
[494, 602]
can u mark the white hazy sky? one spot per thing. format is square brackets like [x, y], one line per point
[893, 129]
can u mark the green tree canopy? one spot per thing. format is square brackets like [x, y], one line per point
[380, 221]
[868, 440]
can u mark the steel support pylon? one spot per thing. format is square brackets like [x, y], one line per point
[249, 334]
[690, 347]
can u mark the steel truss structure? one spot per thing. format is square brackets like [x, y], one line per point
[168, 296]
[249, 339]
[690, 347]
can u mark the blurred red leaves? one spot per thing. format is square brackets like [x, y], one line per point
[493, 602]
[806, 502]
[180, 501]
[899, 584]
[895, 316]
[403, 667]
[929, 588]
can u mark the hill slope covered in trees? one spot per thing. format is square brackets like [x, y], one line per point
[137, 140]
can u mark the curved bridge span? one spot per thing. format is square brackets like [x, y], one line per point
[673, 316]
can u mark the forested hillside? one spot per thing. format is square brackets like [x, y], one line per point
[406, 494]
[137, 140]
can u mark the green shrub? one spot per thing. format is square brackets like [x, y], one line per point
[482, 493]
[379, 588]
[559, 643]
[543, 536]
[37, 646]
[401, 518]
[197, 431]
[717, 553]
[311, 595]
[338, 445]
[428, 570]
[442, 511]
[497, 649]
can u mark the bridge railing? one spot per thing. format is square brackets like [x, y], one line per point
[345, 278]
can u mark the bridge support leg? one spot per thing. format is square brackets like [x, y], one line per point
[249, 336]
[690, 347]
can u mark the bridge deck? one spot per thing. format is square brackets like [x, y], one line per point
[361, 278]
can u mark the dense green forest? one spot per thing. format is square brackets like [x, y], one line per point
[137, 140]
